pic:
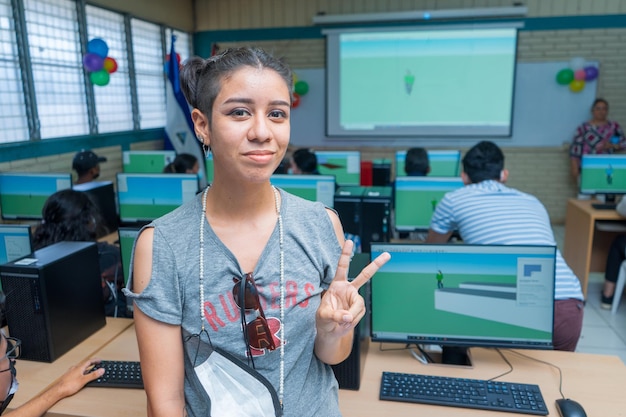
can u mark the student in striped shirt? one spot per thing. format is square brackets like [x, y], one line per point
[485, 211]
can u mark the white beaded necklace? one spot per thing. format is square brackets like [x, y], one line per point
[281, 387]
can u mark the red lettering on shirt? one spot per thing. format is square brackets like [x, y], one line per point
[211, 316]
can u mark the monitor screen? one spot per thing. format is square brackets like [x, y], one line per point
[464, 295]
[23, 195]
[146, 161]
[603, 174]
[127, 240]
[144, 197]
[442, 163]
[344, 165]
[415, 200]
[310, 187]
[446, 80]
[15, 242]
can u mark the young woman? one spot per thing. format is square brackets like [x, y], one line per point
[184, 163]
[245, 270]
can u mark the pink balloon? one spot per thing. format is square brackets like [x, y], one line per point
[580, 74]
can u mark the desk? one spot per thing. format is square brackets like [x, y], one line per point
[596, 381]
[585, 248]
[34, 377]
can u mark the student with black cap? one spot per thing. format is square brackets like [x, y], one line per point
[87, 166]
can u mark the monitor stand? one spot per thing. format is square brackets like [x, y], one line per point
[443, 355]
[609, 198]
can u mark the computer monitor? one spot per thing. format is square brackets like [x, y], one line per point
[415, 200]
[146, 161]
[344, 165]
[443, 163]
[127, 241]
[145, 197]
[102, 193]
[311, 187]
[603, 174]
[458, 295]
[15, 242]
[22, 195]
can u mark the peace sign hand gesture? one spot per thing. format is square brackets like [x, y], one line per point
[342, 307]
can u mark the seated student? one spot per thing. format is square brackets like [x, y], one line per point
[72, 215]
[184, 163]
[69, 384]
[87, 166]
[416, 163]
[304, 162]
[486, 212]
[615, 257]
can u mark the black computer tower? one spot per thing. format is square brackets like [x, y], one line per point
[102, 194]
[53, 298]
[350, 371]
[381, 174]
[347, 203]
[376, 216]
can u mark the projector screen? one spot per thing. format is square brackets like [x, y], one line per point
[435, 81]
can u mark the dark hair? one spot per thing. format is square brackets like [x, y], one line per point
[67, 215]
[416, 162]
[201, 79]
[484, 161]
[181, 164]
[305, 160]
[600, 100]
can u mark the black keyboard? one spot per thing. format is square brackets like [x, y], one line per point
[118, 374]
[604, 206]
[461, 392]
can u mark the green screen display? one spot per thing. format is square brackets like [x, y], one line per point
[442, 163]
[310, 187]
[147, 162]
[603, 174]
[344, 165]
[127, 240]
[23, 195]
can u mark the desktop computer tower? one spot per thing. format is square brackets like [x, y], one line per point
[53, 298]
[102, 194]
[350, 371]
[375, 216]
[347, 203]
[381, 174]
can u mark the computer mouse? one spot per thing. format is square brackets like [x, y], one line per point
[570, 408]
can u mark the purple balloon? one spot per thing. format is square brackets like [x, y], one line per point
[93, 62]
[591, 73]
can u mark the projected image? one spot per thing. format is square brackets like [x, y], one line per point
[442, 163]
[603, 174]
[407, 82]
[466, 292]
[416, 199]
[344, 165]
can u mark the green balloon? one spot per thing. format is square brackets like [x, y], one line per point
[99, 77]
[565, 76]
[301, 87]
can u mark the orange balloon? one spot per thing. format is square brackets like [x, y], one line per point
[110, 65]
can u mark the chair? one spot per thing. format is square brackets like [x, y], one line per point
[619, 287]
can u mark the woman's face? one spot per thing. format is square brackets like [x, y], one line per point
[600, 111]
[250, 125]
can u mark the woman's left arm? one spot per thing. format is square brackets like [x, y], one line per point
[342, 307]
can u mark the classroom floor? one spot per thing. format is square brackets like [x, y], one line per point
[603, 332]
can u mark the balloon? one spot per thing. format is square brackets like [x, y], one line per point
[577, 63]
[577, 85]
[110, 65]
[591, 73]
[93, 62]
[98, 46]
[296, 100]
[301, 88]
[579, 74]
[99, 77]
[565, 76]
[295, 78]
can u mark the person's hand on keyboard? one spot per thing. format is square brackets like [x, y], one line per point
[77, 377]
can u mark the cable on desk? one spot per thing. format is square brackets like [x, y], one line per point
[545, 363]
[507, 362]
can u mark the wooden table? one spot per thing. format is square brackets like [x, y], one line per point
[596, 381]
[34, 377]
[585, 248]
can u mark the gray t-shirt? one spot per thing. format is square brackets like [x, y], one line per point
[311, 253]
